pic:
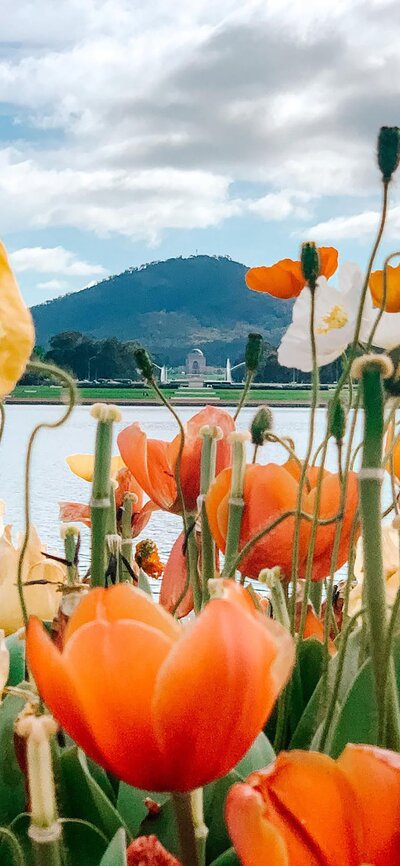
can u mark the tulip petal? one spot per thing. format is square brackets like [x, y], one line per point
[114, 667]
[375, 776]
[82, 465]
[174, 580]
[148, 460]
[227, 653]
[330, 834]
[122, 602]
[256, 840]
[57, 689]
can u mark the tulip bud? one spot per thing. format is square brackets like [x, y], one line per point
[261, 424]
[253, 352]
[388, 151]
[336, 419]
[144, 363]
[310, 263]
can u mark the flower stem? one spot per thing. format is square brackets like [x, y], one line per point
[189, 848]
[236, 501]
[100, 502]
[374, 584]
[207, 475]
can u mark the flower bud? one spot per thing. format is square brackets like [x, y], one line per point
[336, 419]
[148, 851]
[253, 352]
[143, 363]
[261, 424]
[310, 263]
[388, 150]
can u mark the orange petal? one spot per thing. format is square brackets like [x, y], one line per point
[325, 832]
[227, 652]
[313, 627]
[121, 602]
[57, 689]
[82, 465]
[147, 459]
[392, 304]
[127, 484]
[174, 580]
[328, 261]
[283, 280]
[114, 666]
[256, 840]
[330, 500]
[191, 458]
[375, 776]
[218, 492]
[140, 519]
[71, 512]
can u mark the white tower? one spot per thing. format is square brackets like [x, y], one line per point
[228, 374]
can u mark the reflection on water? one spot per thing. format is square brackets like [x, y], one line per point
[52, 481]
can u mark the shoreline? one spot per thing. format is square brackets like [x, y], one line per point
[185, 401]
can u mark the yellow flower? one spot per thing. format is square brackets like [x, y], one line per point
[17, 334]
[390, 551]
[41, 600]
[82, 465]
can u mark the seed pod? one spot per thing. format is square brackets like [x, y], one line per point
[336, 419]
[388, 151]
[144, 363]
[260, 425]
[253, 352]
[310, 263]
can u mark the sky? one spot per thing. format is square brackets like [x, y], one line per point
[133, 131]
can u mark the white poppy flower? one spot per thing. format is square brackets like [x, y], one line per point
[335, 319]
[387, 334]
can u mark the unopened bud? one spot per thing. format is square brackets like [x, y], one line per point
[310, 263]
[388, 151]
[253, 352]
[336, 419]
[144, 363]
[261, 424]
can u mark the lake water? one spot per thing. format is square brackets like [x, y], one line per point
[52, 480]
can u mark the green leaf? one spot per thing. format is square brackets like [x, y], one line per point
[82, 797]
[358, 718]
[100, 776]
[164, 827]
[310, 720]
[10, 844]
[12, 782]
[16, 647]
[83, 842]
[228, 858]
[143, 582]
[132, 808]
[116, 851]
[260, 755]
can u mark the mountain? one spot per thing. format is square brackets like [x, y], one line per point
[170, 307]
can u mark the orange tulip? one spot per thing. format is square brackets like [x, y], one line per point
[173, 709]
[273, 817]
[269, 491]
[152, 461]
[285, 278]
[392, 304]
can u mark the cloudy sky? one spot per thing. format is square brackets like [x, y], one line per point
[133, 130]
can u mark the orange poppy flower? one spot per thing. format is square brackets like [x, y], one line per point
[152, 461]
[272, 817]
[285, 278]
[174, 581]
[163, 715]
[392, 304]
[71, 512]
[268, 492]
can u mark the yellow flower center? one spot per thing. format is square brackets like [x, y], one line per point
[334, 320]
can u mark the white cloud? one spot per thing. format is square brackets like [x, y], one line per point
[53, 285]
[53, 260]
[356, 226]
[280, 206]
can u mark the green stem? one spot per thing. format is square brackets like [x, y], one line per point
[187, 837]
[70, 542]
[126, 533]
[236, 503]
[56, 373]
[100, 502]
[315, 595]
[374, 583]
[207, 475]
[338, 678]
[246, 389]
[47, 853]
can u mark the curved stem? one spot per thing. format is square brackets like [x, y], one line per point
[246, 389]
[56, 373]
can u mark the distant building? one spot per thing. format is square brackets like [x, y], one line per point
[195, 363]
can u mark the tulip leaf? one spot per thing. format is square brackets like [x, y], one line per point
[10, 844]
[82, 842]
[83, 797]
[163, 826]
[358, 718]
[12, 783]
[132, 807]
[310, 719]
[144, 583]
[16, 647]
[228, 858]
[214, 804]
[260, 755]
[116, 851]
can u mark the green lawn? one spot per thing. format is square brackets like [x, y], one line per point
[46, 392]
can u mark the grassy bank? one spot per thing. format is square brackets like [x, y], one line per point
[276, 395]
